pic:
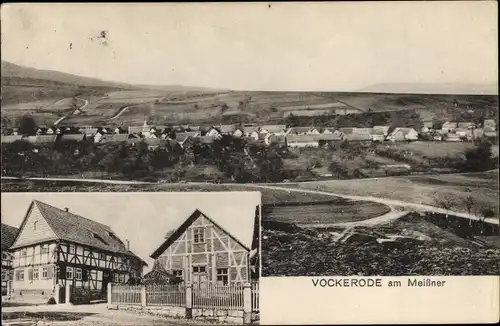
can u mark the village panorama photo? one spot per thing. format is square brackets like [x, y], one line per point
[192, 256]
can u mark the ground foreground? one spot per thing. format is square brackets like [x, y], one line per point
[84, 315]
[408, 246]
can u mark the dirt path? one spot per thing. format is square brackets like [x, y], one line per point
[122, 110]
[389, 202]
[86, 102]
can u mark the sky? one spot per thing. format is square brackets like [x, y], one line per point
[338, 46]
[143, 218]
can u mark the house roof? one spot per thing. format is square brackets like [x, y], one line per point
[332, 136]
[10, 138]
[405, 131]
[428, 124]
[184, 135]
[114, 138]
[205, 139]
[226, 128]
[300, 130]
[88, 131]
[465, 124]
[134, 129]
[9, 234]
[357, 136]
[273, 128]
[77, 137]
[42, 139]
[75, 228]
[302, 138]
[277, 139]
[152, 141]
[239, 229]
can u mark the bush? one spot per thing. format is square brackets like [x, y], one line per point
[52, 301]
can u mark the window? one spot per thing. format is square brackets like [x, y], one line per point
[222, 276]
[178, 272]
[45, 273]
[198, 235]
[23, 252]
[21, 275]
[102, 256]
[121, 278]
[35, 273]
[45, 249]
[115, 278]
[199, 269]
[78, 273]
[34, 225]
[71, 249]
[69, 273]
[4, 255]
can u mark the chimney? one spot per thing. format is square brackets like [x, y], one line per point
[128, 244]
[66, 209]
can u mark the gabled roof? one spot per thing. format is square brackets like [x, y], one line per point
[302, 138]
[134, 129]
[300, 130]
[42, 139]
[332, 136]
[405, 131]
[273, 128]
[240, 230]
[114, 138]
[10, 138]
[77, 137]
[357, 136]
[75, 228]
[9, 234]
[205, 139]
[186, 134]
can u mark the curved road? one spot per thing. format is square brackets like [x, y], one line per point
[122, 110]
[86, 102]
[393, 204]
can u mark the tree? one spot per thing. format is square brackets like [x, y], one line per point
[27, 125]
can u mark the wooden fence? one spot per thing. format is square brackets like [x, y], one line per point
[218, 297]
[126, 294]
[208, 296]
[165, 295]
[255, 296]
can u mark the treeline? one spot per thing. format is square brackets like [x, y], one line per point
[233, 160]
[403, 118]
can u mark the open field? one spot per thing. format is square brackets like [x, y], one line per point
[334, 211]
[305, 252]
[419, 189]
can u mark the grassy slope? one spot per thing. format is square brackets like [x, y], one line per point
[418, 189]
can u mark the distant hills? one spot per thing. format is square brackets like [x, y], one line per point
[13, 74]
[433, 88]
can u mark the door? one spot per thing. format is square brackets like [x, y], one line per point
[62, 294]
[200, 280]
[106, 278]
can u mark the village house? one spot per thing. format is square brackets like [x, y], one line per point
[465, 125]
[55, 247]
[273, 129]
[489, 123]
[327, 140]
[134, 130]
[378, 135]
[303, 131]
[219, 250]
[213, 132]
[300, 141]
[89, 132]
[449, 126]
[42, 139]
[427, 126]
[384, 129]
[403, 134]
[114, 138]
[5, 139]
[489, 132]
[9, 234]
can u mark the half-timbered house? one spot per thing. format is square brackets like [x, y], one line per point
[9, 234]
[55, 247]
[221, 250]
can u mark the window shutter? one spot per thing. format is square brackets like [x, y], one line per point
[85, 275]
[62, 272]
[30, 274]
[50, 272]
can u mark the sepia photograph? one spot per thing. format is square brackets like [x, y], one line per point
[131, 258]
[230, 142]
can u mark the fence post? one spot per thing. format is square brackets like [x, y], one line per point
[189, 300]
[67, 294]
[143, 296]
[247, 303]
[109, 294]
[56, 294]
